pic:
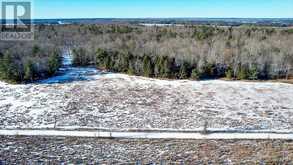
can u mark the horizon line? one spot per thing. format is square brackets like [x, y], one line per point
[169, 18]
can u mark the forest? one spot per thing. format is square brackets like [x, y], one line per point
[28, 62]
[175, 52]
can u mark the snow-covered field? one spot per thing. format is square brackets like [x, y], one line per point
[88, 98]
[117, 101]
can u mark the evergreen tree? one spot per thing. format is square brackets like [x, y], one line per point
[125, 62]
[131, 66]
[121, 60]
[242, 73]
[130, 70]
[7, 68]
[167, 67]
[108, 63]
[2, 68]
[147, 66]
[209, 70]
[183, 73]
[253, 73]
[53, 63]
[28, 70]
[101, 57]
[158, 66]
[195, 74]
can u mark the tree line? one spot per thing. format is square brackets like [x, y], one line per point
[189, 51]
[27, 66]
[161, 66]
[196, 52]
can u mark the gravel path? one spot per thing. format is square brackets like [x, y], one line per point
[151, 135]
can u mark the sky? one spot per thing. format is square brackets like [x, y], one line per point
[163, 8]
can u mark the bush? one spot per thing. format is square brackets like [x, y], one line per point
[130, 71]
[242, 73]
[195, 74]
[253, 73]
[209, 70]
[229, 73]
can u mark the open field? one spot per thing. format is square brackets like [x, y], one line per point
[117, 101]
[22, 149]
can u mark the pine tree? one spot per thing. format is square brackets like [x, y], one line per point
[2, 68]
[8, 68]
[131, 65]
[195, 74]
[101, 57]
[167, 67]
[158, 67]
[108, 63]
[125, 59]
[183, 73]
[253, 73]
[147, 66]
[242, 73]
[53, 63]
[28, 70]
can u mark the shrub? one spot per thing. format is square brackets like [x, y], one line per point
[209, 70]
[229, 73]
[195, 74]
[253, 73]
[130, 71]
[242, 73]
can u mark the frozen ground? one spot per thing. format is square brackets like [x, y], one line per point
[67, 73]
[88, 98]
[122, 101]
[68, 150]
